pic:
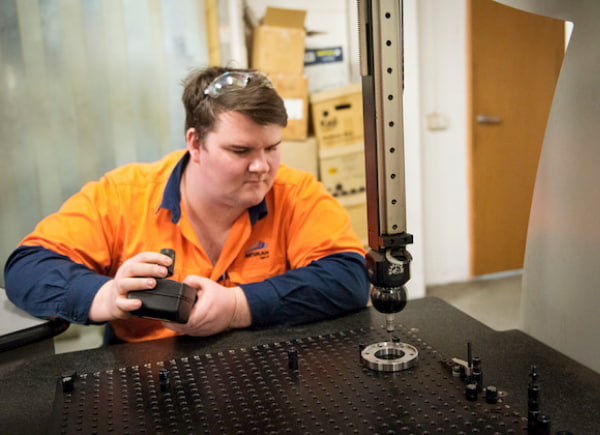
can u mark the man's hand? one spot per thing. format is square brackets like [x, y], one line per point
[217, 309]
[136, 273]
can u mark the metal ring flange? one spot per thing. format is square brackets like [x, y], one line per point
[388, 356]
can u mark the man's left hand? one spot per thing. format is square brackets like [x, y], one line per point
[217, 309]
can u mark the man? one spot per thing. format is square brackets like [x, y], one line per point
[261, 243]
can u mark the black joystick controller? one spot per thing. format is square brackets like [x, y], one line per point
[169, 300]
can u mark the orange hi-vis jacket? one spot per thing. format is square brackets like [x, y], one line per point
[295, 254]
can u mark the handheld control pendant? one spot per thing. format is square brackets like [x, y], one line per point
[169, 300]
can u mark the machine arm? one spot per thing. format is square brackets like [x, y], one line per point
[381, 50]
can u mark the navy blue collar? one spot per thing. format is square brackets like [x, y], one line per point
[172, 195]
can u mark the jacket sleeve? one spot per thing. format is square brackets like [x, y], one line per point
[46, 284]
[330, 286]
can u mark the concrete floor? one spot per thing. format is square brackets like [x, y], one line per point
[493, 300]
[78, 337]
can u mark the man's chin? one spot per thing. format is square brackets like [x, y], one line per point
[252, 194]
[251, 200]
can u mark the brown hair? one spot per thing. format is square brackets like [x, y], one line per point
[262, 104]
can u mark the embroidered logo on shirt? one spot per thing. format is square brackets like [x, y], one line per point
[258, 250]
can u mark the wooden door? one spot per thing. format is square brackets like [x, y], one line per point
[515, 58]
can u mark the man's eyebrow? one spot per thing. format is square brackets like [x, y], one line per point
[239, 146]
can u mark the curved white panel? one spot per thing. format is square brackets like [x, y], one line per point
[561, 282]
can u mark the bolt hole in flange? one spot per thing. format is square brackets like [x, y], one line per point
[389, 356]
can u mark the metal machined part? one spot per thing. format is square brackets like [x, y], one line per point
[388, 356]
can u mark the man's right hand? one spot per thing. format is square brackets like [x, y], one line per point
[137, 273]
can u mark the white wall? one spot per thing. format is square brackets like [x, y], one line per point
[412, 151]
[443, 94]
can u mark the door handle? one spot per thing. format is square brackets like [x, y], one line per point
[485, 119]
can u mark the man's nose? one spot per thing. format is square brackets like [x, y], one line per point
[259, 163]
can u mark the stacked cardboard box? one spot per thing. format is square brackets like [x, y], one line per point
[338, 124]
[301, 154]
[337, 116]
[278, 50]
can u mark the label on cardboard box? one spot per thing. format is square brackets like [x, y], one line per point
[315, 56]
[294, 107]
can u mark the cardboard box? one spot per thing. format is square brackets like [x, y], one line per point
[342, 169]
[356, 206]
[294, 91]
[337, 116]
[278, 44]
[301, 154]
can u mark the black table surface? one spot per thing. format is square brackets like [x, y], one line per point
[570, 391]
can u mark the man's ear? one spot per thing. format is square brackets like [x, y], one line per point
[193, 143]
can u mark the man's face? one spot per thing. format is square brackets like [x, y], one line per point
[237, 162]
